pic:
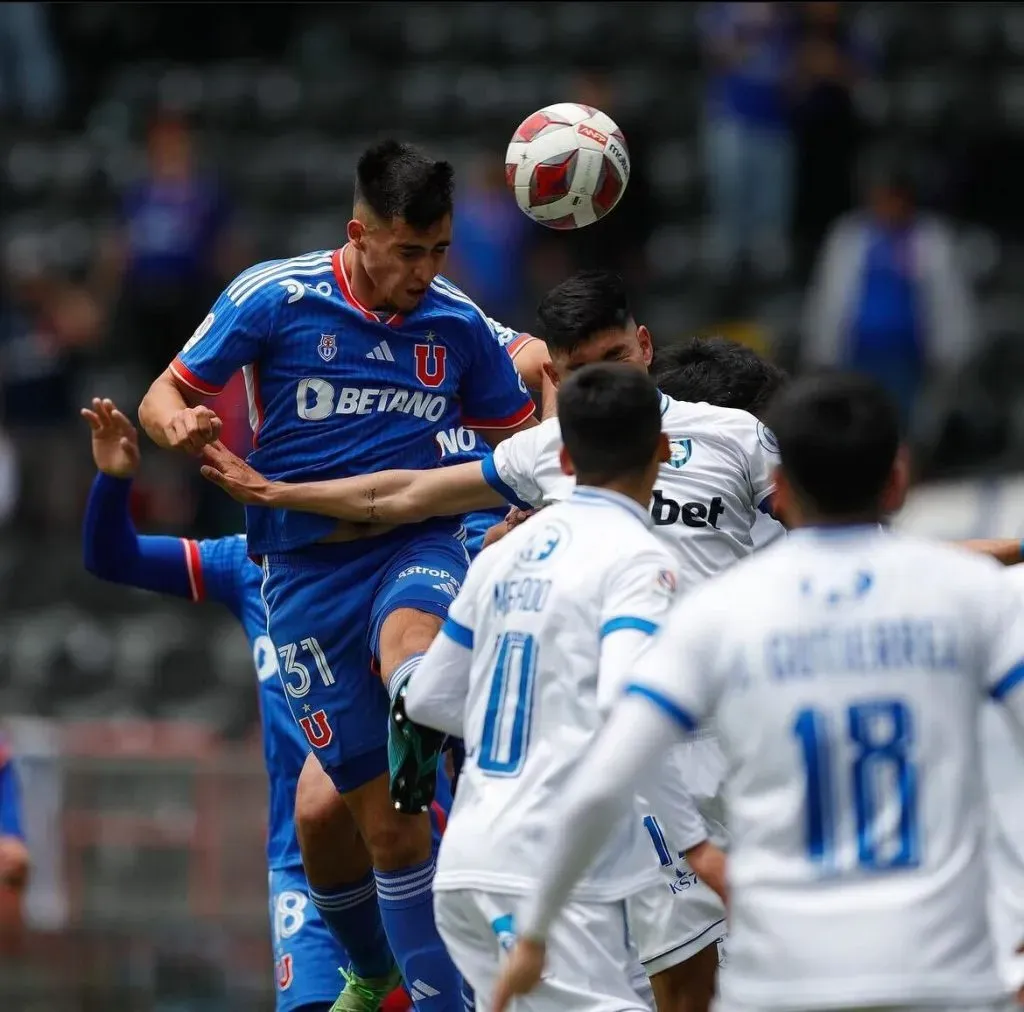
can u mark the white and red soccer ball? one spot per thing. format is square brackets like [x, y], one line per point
[567, 165]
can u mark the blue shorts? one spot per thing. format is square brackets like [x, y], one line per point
[478, 524]
[325, 609]
[306, 956]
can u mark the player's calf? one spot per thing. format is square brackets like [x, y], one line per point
[413, 750]
[341, 883]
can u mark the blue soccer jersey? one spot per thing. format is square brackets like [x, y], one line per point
[219, 570]
[335, 390]
[10, 796]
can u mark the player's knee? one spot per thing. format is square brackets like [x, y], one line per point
[688, 986]
[405, 632]
[398, 841]
[320, 812]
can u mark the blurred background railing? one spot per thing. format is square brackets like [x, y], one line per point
[149, 151]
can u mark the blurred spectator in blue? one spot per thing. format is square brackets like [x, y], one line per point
[748, 139]
[888, 297]
[489, 246]
[48, 330]
[832, 56]
[173, 251]
[31, 78]
[14, 857]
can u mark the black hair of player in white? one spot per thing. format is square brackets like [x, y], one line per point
[838, 437]
[610, 417]
[718, 371]
[397, 180]
[587, 304]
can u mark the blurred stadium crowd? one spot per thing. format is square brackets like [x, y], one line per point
[832, 183]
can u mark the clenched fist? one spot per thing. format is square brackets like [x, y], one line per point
[190, 429]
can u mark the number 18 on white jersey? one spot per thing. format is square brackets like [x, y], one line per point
[844, 672]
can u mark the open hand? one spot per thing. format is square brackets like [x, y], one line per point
[234, 475]
[115, 442]
[521, 973]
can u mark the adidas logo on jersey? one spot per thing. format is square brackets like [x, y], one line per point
[382, 353]
[449, 587]
[419, 990]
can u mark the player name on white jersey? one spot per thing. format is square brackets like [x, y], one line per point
[844, 672]
[555, 611]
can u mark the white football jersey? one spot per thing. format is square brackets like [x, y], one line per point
[1003, 756]
[845, 671]
[554, 614]
[707, 497]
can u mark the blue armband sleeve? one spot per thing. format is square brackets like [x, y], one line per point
[114, 551]
[10, 799]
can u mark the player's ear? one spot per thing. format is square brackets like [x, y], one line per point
[664, 450]
[643, 335]
[895, 492]
[565, 461]
[356, 232]
[784, 507]
[551, 372]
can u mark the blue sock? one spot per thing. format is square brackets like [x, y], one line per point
[407, 909]
[441, 807]
[352, 916]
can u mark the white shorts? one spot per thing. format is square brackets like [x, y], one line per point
[1003, 762]
[588, 952]
[675, 920]
[1004, 1006]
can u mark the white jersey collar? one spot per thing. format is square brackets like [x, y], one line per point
[834, 532]
[588, 495]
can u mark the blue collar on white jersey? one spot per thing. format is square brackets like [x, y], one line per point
[588, 495]
[665, 402]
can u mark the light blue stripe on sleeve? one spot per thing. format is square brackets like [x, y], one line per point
[684, 719]
[643, 625]
[491, 476]
[458, 633]
[1008, 682]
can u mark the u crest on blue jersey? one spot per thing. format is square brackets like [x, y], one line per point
[316, 728]
[328, 346]
[679, 451]
[430, 362]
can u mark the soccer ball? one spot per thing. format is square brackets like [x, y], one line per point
[567, 165]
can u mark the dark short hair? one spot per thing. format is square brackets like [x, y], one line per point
[610, 416]
[396, 180]
[838, 436]
[718, 371]
[582, 306]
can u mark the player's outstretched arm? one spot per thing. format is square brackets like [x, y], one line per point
[386, 497]
[1008, 551]
[112, 549]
